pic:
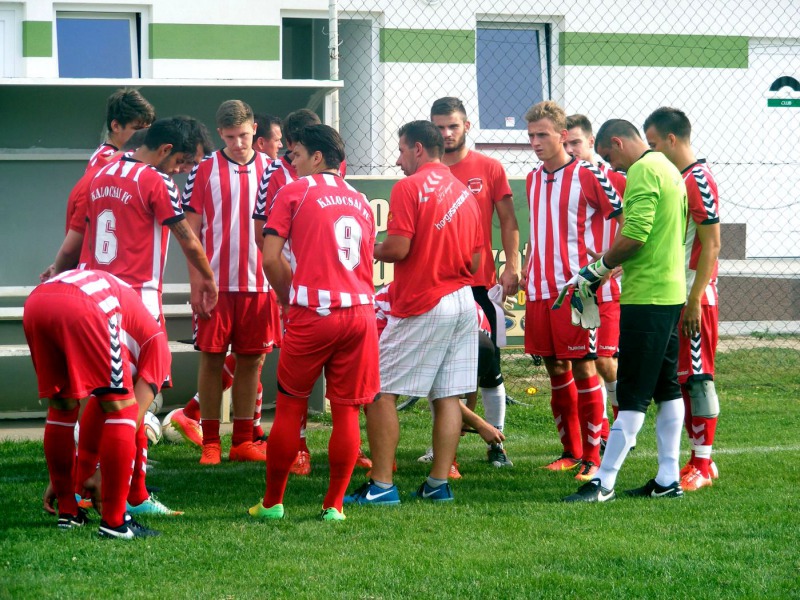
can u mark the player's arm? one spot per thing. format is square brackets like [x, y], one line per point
[509, 235]
[204, 288]
[709, 236]
[476, 262]
[490, 434]
[393, 249]
[277, 270]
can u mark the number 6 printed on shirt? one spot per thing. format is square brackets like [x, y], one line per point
[348, 235]
[105, 247]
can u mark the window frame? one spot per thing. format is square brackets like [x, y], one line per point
[544, 29]
[123, 13]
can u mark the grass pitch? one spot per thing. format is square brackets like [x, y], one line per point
[507, 535]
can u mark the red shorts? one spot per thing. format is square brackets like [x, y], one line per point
[550, 332]
[696, 354]
[72, 341]
[608, 332]
[275, 323]
[345, 343]
[240, 320]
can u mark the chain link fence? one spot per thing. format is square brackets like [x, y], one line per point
[733, 67]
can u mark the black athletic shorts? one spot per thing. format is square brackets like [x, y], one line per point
[648, 355]
[492, 377]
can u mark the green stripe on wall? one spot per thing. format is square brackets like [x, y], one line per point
[428, 45]
[215, 42]
[37, 38]
[642, 50]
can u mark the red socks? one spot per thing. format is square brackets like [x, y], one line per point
[590, 410]
[117, 453]
[210, 429]
[342, 452]
[564, 403]
[192, 408]
[138, 492]
[283, 444]
[703, 429]
[242, 430]
[91, 432]
[59, 451]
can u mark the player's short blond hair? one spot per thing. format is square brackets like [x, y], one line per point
[233, 113]
[547, 110]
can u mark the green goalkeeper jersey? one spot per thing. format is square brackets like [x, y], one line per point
[655, 208]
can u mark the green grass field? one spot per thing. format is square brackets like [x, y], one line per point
[507, 535]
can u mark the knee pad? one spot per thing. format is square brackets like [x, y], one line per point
[703, 395]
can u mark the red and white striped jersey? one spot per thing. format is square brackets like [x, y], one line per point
[278, 173]
[563, 208]
[703, 198]
[224, 193]
[330, 233]
[603, 233]
[102, 156]
[101, 287]
[130, 205]
[383, 310]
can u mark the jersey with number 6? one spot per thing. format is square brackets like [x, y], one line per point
[130, 205]
[330, 233]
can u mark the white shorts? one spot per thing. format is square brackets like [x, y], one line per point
[434, 354]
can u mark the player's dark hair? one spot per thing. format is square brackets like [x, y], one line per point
[296, 121]
[136, 140]
[425, 133]
[199, 135]
[619, 128]
[581, 121]
[264, 125]
[668, 120]
[447, 106]
[127, 105]
[178, 131]
[326, 140]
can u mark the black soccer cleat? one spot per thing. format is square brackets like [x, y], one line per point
[653, 490]
[591, 491]
[129, 530]
[67, 521]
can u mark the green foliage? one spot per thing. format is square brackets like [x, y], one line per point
[507, 535]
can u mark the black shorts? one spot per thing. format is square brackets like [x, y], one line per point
[648, 355]
[491, 377]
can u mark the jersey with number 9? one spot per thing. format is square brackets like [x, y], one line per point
[330, 233]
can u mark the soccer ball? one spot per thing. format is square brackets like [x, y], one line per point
[156, 404]
[170, 433]
[152, 428]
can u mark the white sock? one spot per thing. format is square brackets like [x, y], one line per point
[494, 405]
[611, 390]
[669, 424]
[604, 391]
[620, 440]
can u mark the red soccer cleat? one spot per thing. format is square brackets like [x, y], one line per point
[188, 428]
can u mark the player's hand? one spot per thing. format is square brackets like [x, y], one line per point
[490, 434]
[47, 273]
[690, 319]
[590, 277]
[49, 499]
[204, 298]
[510, 280]
[523, 279]
[584, 311]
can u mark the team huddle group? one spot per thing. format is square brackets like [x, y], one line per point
[280, 253]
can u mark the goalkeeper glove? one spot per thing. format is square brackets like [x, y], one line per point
[589, 278]
[584, 311]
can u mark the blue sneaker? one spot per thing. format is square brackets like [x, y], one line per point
[443, 493]
[369, 493]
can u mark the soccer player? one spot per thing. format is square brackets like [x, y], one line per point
[486, 179]
[650, 248]
[119, 343]
[278, 174]
[218, 200]
[568, 199]
[580, 144]
[127, 111]
[430, 345]
[668, 130]
[268, 136]
[327, 294]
